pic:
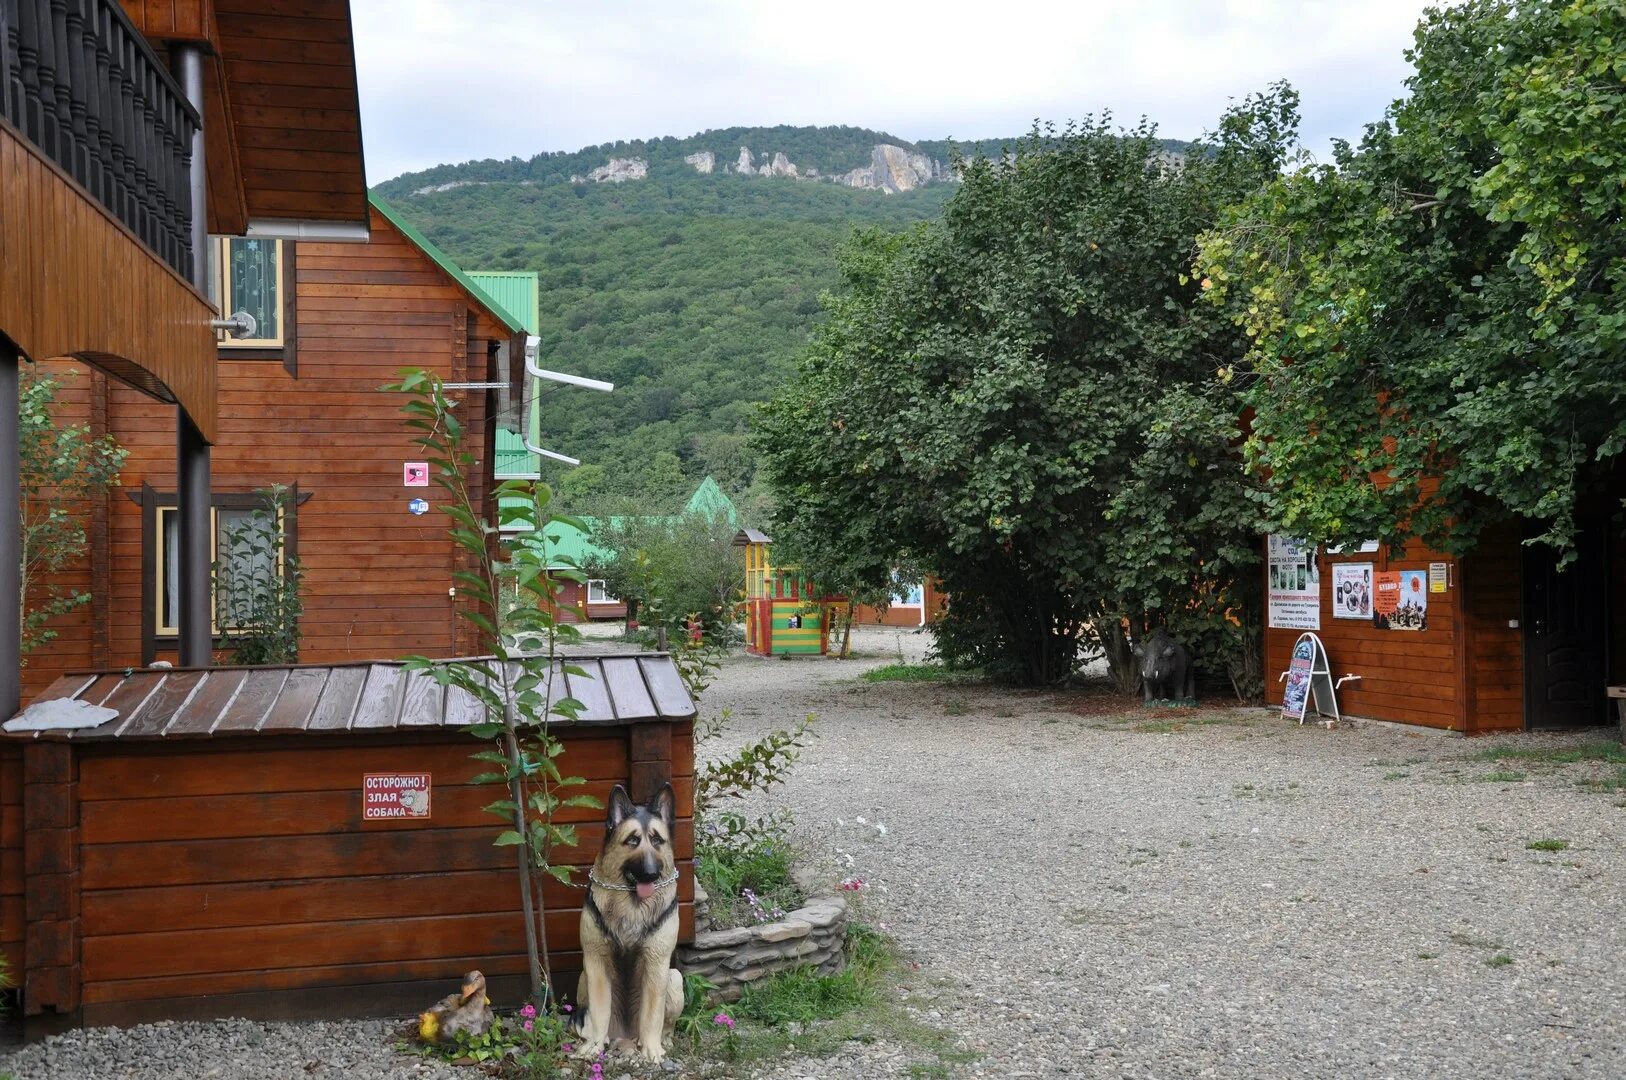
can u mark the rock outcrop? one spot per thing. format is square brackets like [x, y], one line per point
[742, 164]
[893, 169]
[449, 185]
[704, 162]
[618, 171]
[780, 166]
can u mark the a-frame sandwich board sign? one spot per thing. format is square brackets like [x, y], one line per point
[1309, 675]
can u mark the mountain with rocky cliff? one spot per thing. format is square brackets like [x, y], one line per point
[685, 271]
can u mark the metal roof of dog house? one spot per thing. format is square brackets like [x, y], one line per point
[173, 703]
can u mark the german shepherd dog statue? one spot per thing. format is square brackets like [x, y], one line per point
[629, 991]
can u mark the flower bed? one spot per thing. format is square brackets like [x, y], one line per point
[810, 936]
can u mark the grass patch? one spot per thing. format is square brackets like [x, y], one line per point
[812, 1015]
[1607, 784]
[902, 672]
[1164, 724]
[1396, 775]
[1499, 960]
[1547, 845]
[1613, 753]
[1502, 776]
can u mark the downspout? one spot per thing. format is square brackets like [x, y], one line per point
[191, 451]
[11, 534]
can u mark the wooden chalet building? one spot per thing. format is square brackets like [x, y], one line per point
[300, 406]
[129, 133]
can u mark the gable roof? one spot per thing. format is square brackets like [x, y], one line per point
[481, 298]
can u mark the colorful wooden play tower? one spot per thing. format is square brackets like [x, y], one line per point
[784, 614]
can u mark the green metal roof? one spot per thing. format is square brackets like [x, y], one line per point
[519, 294]
[442, 260]
[710, 499]
[518, 291]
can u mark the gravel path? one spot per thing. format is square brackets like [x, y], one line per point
[1086, 896]
[1244, 899]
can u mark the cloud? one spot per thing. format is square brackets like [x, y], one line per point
[450, 80]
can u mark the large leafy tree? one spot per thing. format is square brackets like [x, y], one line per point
[1439, 338]
[1022, 398]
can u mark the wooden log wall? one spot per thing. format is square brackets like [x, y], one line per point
[377, 578]
[1464, 673]
[236, 876]
[11, 858]
[1409, 676]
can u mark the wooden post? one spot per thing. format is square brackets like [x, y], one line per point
[649, 758]
[50, 885]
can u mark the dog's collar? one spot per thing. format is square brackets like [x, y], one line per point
[596, 880]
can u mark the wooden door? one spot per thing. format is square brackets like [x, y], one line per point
[1565, 636]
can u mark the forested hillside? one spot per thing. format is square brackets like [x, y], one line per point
[692, 292]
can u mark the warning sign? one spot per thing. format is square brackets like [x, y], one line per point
[394, 795]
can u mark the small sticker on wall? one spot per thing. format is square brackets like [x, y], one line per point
[1436, 577]
[415, 474]
[419, 506]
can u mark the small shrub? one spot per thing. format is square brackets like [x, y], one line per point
[745, 867]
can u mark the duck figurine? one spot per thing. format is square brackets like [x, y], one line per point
[466, 1012]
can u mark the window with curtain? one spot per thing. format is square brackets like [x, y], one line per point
[247, 276]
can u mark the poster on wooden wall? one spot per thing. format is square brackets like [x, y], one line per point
[1400, 600]
[1352, 590]
[1293, 584]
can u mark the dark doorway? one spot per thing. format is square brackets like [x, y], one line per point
[1566, 636]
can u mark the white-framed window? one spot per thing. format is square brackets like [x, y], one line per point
[240, 561]
[246, 275]
[598, 594]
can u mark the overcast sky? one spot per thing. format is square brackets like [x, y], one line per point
[450, 80]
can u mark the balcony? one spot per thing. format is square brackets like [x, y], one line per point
[95, 255]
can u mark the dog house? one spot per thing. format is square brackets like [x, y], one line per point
[299, 841]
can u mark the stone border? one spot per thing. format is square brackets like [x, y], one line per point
[814, 935]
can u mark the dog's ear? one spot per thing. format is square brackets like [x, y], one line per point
[618, 810]
[664, 806]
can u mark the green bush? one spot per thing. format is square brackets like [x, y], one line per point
[745, 868]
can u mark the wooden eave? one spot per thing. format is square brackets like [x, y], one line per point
[282, 124]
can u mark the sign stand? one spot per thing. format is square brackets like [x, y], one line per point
[1309, 675]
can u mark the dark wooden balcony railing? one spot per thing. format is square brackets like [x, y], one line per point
[81, 83]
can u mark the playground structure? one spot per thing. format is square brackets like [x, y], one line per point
[785, 615]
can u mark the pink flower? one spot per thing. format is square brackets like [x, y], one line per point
[527, 1025]
[568, 1008]
[528, 1011]
[566, 1048]
[724, 1019]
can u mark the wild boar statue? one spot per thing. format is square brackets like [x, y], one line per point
[1166, 673]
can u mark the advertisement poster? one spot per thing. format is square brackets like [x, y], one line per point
[1400, 600]
[1352, 590]
[1294, 584]
[1297, 692]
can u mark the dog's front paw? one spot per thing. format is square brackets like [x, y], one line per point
[586, 1049]
[654, 1053]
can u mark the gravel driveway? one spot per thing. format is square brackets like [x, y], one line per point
[1247, 898]
[1214, 894]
